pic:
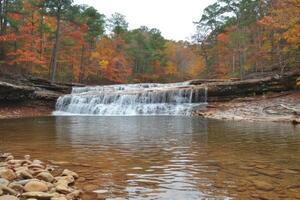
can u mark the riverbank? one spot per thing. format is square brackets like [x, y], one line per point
[33, 179]
[273, 98]
[275, 107]
[20, 111]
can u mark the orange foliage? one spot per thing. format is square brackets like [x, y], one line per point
[112, 61]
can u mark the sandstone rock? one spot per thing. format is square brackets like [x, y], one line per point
[14, 162]
[67, 179]
[63, 189]
[17, 187]
[262, 185]
[38, 162]
[9, 158]
[4, 182]
[26, 162]
[37, 195]
[8, 197]
[5, 155]
[35, 166]
[24, 182]
[7, 174]
[24, 174]
[27, 157]
[45, 176]
[67, 172]
[35, 186]
[7, 190]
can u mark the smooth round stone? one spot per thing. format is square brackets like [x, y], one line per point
[7, 190]
[67, 172]
[35, 186]
[15, 186]
[3, 181]
[25, 174]
[10, 158]
[45, 176]
[63, 189]
[27, 157]
[7, 174]
[8, 197]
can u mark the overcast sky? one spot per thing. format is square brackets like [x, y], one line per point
[174, 18]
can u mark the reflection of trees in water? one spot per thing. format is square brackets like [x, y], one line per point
[139, 154]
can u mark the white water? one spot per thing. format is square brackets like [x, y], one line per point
[132, 99]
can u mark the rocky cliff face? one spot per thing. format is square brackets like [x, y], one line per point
[37, 91]
[224, 90]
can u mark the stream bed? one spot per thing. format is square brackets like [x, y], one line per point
[164, 157]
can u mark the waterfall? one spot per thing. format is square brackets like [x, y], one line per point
[132, 99]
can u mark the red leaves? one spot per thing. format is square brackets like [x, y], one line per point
[8, 37]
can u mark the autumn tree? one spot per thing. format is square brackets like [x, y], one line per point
[57, 8]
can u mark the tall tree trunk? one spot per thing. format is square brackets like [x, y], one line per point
[42, 33]
[81, 73]
[2, 26]
[55, 49]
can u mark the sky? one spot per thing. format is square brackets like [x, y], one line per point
[174, 18]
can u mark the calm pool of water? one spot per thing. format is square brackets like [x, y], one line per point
[165, 157]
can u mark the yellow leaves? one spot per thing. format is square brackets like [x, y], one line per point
[95, 55]
[103, 64]
[170, 69]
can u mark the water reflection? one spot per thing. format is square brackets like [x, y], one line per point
[165, 157]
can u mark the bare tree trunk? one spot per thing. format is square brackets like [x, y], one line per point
[55, 49]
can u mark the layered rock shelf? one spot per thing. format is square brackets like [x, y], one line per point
[221, 90]
[25, 178]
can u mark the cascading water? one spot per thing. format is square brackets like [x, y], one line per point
[132, 99]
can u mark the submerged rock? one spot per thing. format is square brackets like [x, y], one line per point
[263, 185]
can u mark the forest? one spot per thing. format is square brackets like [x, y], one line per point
[64, 42]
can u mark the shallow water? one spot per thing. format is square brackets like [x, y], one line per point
[165, 157]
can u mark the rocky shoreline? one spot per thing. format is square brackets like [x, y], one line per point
[276, 107]
[25, 178]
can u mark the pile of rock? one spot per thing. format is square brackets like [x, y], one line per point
[34, 180]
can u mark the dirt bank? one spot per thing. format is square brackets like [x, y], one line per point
[18, 111]
[283, 107]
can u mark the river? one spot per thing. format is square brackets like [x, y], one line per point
[164, 157]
